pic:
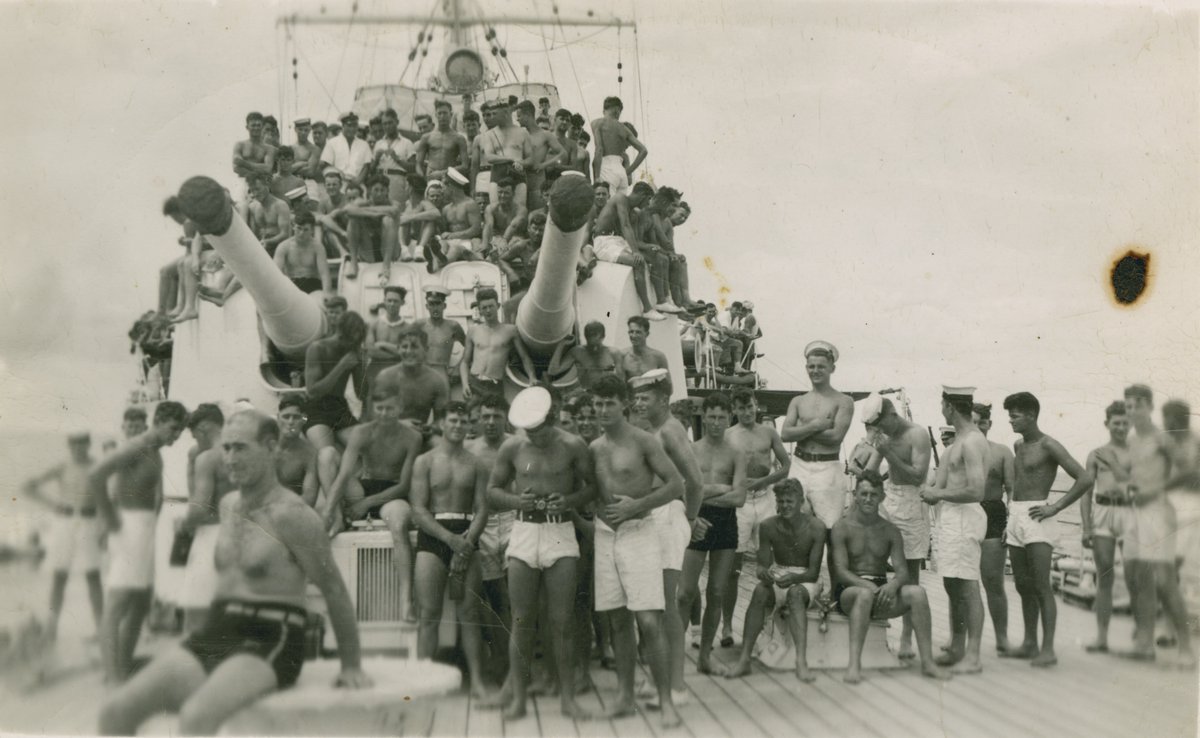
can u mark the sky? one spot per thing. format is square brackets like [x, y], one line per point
[938, 189]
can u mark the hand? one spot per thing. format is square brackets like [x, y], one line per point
[1088, 538]
[466, 389]
[622, 508]
[353, 677]
[764, 576]
[929, 495]
[825, 423]
[527, 500]
[1043, 512]
[351, 359]
[518, 167]
[700, 528]
[358, 510]
[885, 596]
[556, 504]
[461, 546]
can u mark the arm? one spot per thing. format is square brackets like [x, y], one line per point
[33, 486]
[841, 423]
[914, 464]
[97, 480]
[481, 505]
[627, 227]
[785, 463]
[320, 382]
[517, 224]
[323, 269]
[1085, 503]
[765, 555]
[680, 451]
[200, 509]
[555, 148]
[641, 157]
[464, 366]
[346, 469]
[281, 255]
[523, 355]
[794, 430]
[976, 471]
[598, 142]
[625, 508]
[1083, 482]
[736, 495]
[563, 357]
[422, 152]
[501, 477]
[585, 477]
[885, 596]
[489, 225]
[311, 486]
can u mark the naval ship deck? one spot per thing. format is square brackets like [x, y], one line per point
[1084, 695]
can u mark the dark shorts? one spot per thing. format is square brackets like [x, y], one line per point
[997, 518]
[332, 412]
[723, 532]
[438, 547]
[484, 387]
[307, 284]
[374, 487]
[272, 632]
[297, 487]
[839, 588]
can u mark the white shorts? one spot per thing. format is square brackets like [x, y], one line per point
[1023, 530]
[612, 170]
[674, 533]
[493, 544]
[1111, 521]
[610, 248]
[960, 529]
[540, 545]
[823, 487]
[778, 570]
[629, 566]
[759, 506]
[131, 551]
[200, 576]
[1187, 524]
[904, 508]
[74, 538]
[1149, 535]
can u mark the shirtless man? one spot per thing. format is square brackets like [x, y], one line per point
[562, 129]
[1000, 476]
[1030, 534]
[1105, 514]
[653, 224]
[629, 579]
[307, 153]
[614, 238]
[463, 225]
[961, 525]
[296, 457]
[387, 448]
[252, 156]
[470, 126]
[329, 364]
[268, 217]
[75, 531]
[302, 259]
[547, 154]
[486, 354]
[767, 463]
[208, 482]
[419, 221]
[503, 219]
[383, 337]
[789, 560]
[442, 333]
[1149, 545]
[443, 148]
[449, 508]
[639, 358]
[269, 545]
[551, 474]
[503, 143]
[592, 360]
[137, 468]
[285, 184]
[1183, 491]
[723, 468]
[863, 542]
[612, 138]
[423, 391]
[817, 422]
[677, 521]
[373, 225]
[493, 542]
[904, 445]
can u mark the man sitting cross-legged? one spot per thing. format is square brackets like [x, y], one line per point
[387, 448]
[863, 542]
[449, 507]
[789, 561]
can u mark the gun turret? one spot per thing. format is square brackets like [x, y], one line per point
[290, 318]
[546, 314]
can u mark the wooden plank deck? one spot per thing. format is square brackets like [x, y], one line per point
[1084, 695]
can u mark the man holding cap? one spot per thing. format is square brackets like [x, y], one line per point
[961, 526]
[905, 447]
[347, 153]
[551, 475]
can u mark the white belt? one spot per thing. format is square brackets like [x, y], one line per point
[453, 516]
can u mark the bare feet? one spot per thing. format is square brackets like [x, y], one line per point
[1097, 647]
[804, 675]
[706, 666]
[514, 711]
[185, 315]
[949, 658]
[967, 666]
[740, 669]
[571, 709]
[495, 700]
[933, 671]
[1024, 651]
[852, 676]
[483, 694]
[1044, 659]
[904, 655]
[620, 709]
[670, 717]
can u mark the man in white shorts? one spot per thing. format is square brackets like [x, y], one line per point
[629, 566]
[614, 239]
[612, 139]
[961, 526]
[75, 530]
[551, 474]
[137, 469]
[1183, 492]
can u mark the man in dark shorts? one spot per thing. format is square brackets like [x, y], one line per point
[863, 543]
[302, 259]
[449, 508]
[388, 448]
[329, 364]
[270, 545]
[723, 469]
[997, 489]
[295, 457]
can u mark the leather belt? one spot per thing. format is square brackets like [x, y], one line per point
[540, 516]
[1112, 501]
[806, 456]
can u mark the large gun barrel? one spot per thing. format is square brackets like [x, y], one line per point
[546, 314]
[290, 318]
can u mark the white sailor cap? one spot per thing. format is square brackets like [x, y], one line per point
[530, 408]
[572, 173]
[747, 305]
[652, 377]
[243, 405]
[302, 122]
[456, 176]
[948, 430]
[824, 347]
[960, 392]
[436, 291]
[296, 193]
[872, 409]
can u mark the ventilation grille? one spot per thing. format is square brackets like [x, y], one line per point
[377, 587]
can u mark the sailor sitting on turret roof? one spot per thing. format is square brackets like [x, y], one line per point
[615, 239]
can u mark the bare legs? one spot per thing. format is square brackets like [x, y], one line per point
[859, 602]
[966, 626]
[1104, 552]
[906, 627]
[430, 584]
[991, 571]
[1031, 574]
[119, 630]
[719, 565]
[58, 589]
[649, 624]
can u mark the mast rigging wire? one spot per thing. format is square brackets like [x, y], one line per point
[345, 45]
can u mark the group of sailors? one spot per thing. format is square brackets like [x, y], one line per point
[603, 502]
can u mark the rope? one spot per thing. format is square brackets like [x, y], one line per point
[345, 45]
[637, 60]
[571, 58]
[545, 49]
[316, 76]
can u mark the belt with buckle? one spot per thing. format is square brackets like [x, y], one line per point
[806, 456]
[1112, 501]
[267, 612]
[540, 516]
[453, 516]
